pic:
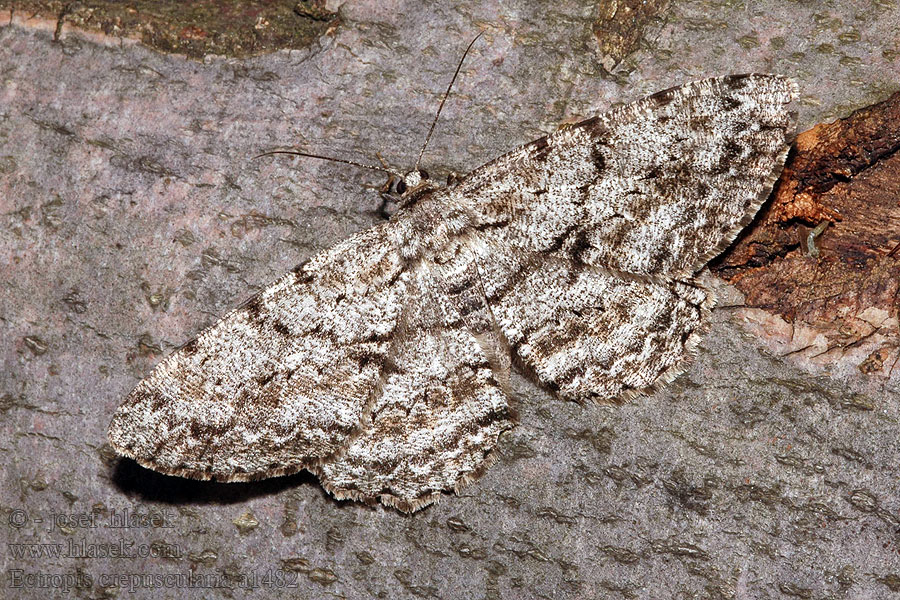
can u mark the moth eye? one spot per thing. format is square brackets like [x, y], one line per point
[401, 187]
[423, 174]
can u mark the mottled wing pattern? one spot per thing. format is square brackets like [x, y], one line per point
[586, 332]
[443, 405]
[278, 384]
[591, 237]
[382, 364]
[657, 187]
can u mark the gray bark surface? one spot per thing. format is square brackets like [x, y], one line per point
[132, 215]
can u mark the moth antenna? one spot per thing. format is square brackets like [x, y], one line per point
[340, 160]
[444, 99]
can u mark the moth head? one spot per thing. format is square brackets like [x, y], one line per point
[412, 182]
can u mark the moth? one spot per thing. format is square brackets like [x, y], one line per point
[382, 364]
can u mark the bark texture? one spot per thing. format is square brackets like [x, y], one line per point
[131, 216]
[824, 253]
